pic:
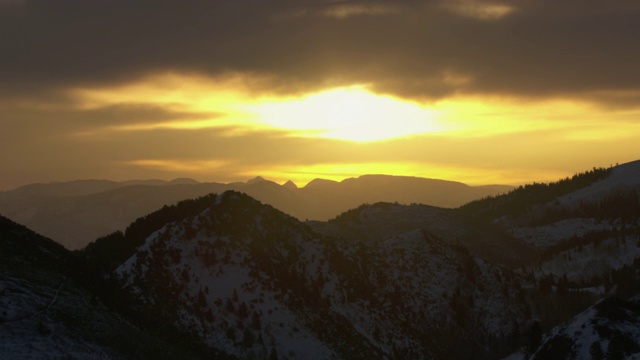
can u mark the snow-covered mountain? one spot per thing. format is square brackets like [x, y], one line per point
[610, 329]
[622, 177]
[48, 311]
[228, 276]
[586, 233]
[251, 281]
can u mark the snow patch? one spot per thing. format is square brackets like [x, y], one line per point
[622, 176]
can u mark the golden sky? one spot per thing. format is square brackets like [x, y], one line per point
[482, 92]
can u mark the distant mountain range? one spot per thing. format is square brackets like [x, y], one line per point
[546, 271]
[77, 212]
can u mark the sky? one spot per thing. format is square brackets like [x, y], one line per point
[482, 92]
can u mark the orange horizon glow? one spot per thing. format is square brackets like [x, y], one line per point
[204, 171]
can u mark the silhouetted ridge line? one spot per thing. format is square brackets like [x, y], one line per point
[79, 212]
[109, 251]
[17, 239]
[522, 198]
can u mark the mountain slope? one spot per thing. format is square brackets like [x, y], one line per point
[380, 221]
[582, 228]
[625, 176]
[250, 280]
[46, 312]
[608, 330]
[586, 232]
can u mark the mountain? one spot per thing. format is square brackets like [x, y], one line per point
[544, 271]
[583, 227]
[48, 311]
[585, 232]
[610, 329]
[255, 180]
[74, 221]
[380, 221]
[76, 213]
[393, 280]
[622, 177]
[250, 280]
[290, 185]
[329, 198]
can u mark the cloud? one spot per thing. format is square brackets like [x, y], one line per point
[37, 121]
[141, 88]
[44, 145]
[173, 166]
[478, 9]
[408, 48]
[348, 9]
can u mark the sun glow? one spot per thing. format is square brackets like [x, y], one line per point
[349, 113]
[241, 104]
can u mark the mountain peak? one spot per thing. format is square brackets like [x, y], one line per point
[183, 181]
[255, 180]
[290, 185]
[320, 182]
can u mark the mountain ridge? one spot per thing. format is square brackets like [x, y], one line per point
[49, 310]
[273, 264]
[77, 213]
[233, 276]
[184, 180]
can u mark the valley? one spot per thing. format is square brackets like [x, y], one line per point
[544, 271]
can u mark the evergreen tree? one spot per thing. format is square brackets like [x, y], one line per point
[255, 321]
[596, 351]
[273, 355]
[614, 349]
[534, 336]
[230, 307]
[231, 334]
[243, 312]
[248, 338]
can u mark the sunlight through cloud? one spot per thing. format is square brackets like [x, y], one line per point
[349, 113]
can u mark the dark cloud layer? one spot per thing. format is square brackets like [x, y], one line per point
[528, 49]
[411, 48]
